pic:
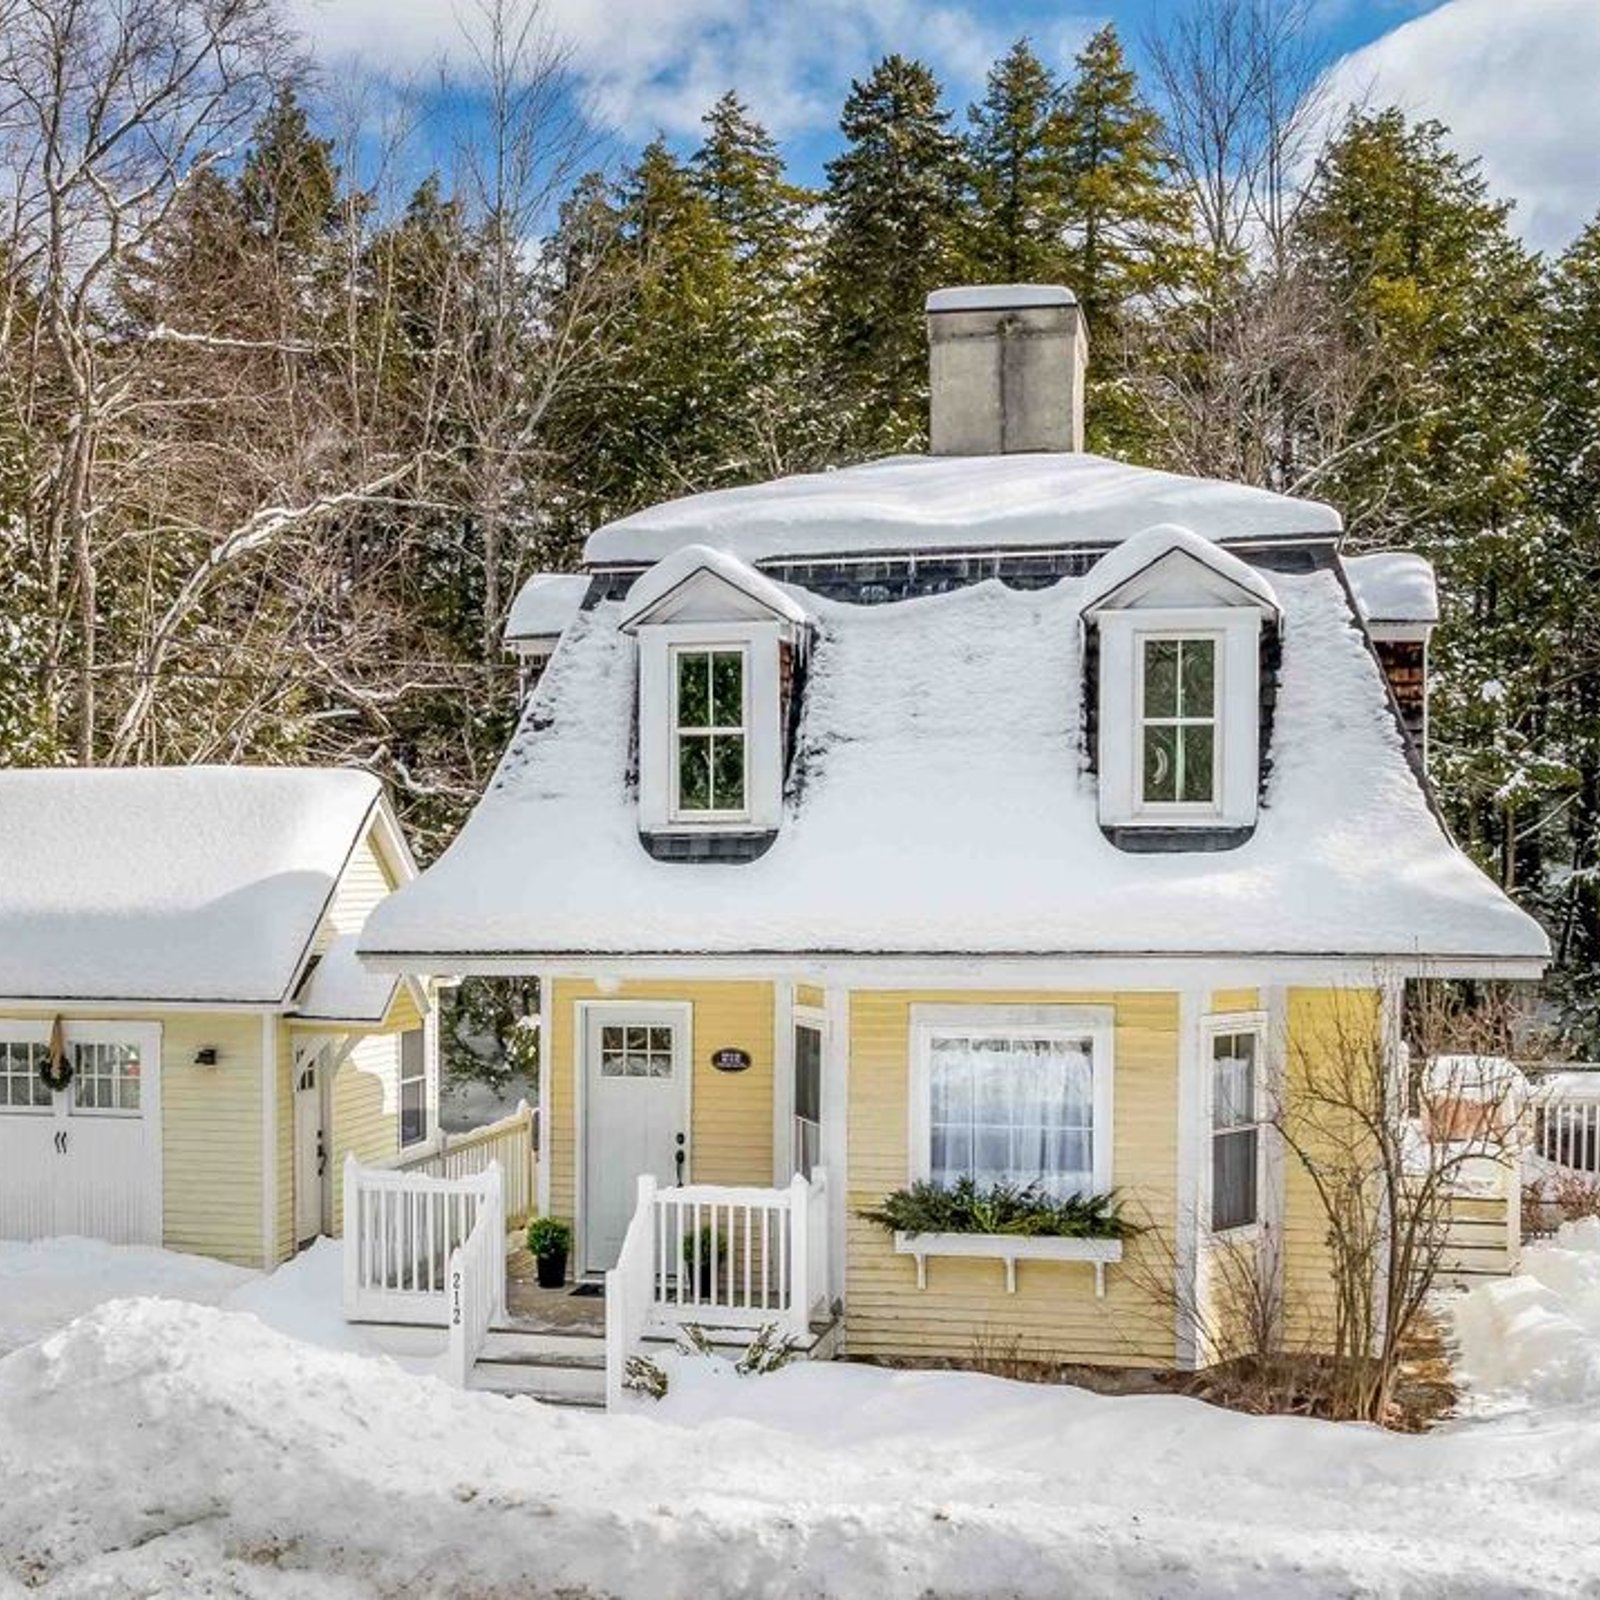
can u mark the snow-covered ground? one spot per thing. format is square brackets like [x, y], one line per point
[158, 1447]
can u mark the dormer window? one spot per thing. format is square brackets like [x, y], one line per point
[1176, 626]
[718, 648]
[1178, 716]
[710, 734]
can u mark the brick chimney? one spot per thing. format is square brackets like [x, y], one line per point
[1005, 369]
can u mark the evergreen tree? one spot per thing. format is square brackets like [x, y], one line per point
[1019, 187]
[1127, 233]
[893, 201]
[289, 185]
[741, 175]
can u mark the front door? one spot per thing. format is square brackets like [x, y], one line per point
[310, 1145]
[636, 1116]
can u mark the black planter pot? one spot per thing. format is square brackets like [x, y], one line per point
[552, 1269]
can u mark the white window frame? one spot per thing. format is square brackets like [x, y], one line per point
[1236, 773]
[75, 1107]
[1219, 653]
[1212, 1027]
[429, 1107]
[35, 1037]
[1092, 1024]
[675, 653]
[145, 1036]
[659, 645]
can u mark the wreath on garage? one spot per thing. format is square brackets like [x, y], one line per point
[56, 1068]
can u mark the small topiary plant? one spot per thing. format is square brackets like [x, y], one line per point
[548, 1236]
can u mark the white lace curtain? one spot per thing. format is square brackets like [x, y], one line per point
[1012, 1109]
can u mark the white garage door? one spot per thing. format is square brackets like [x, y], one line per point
[85, 1159]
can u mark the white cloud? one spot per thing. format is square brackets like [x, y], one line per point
[1517, 82]
[649, 65]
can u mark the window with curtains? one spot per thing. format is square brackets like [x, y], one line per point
[1014, 1106]
[1235, 1129]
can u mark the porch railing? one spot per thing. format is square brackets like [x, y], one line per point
[1566, 1121]
[717, 1257]
[401, 1229]
[511, 1142]
[477, 1285]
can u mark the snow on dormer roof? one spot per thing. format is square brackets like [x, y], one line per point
[1147, 549]
[955, 503]
[545, 604]
[1394, 586]
[671, 577]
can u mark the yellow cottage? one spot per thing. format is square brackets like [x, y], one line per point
[1005, 816]
[188, 1045]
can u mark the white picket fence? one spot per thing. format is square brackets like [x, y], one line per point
[402, 1230]
[510, 1142]
[717, 1257]
[1566, 1121]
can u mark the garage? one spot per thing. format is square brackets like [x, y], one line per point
[80, 1130]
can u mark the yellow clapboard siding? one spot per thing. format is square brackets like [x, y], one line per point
[366, 1108]
[364, 882]
[1230, 1000]
[731, 1126]
[1055, 1313]
[809, 994]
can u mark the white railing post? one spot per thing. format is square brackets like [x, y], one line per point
[630, 1290]
[817, 1202]
[798, 1309]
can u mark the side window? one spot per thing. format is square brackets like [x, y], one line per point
[413, 1088]
[1177, 742]
[1235, 1130]
[709, 733]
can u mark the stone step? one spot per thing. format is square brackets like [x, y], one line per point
[502, 1340]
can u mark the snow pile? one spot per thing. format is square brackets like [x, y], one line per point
[939, 803]
[1535, 1338]
[161, 1448]
[45, 1283]
[194, 883]
[927, 503]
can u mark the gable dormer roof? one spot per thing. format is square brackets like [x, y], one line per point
[697, 583]
[1166, 561]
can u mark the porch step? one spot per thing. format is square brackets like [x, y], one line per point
[508, 1340]
[820, 1346]
[558, 1368]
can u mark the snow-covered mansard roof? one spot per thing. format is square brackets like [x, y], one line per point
[939, 803]
[956, 503]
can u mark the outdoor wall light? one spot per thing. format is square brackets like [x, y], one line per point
[207, 1056]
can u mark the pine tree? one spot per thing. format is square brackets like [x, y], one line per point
[741, 175]
[893, 205]
[289, 184]
[1019, 187]
[1127, 232]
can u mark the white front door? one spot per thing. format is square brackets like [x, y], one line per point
[310, 1144]
[85, 1159]
[636, 1115]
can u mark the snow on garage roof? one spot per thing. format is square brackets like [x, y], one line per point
[941, 807]
[1393, 586]
[169, 883]
[545, 604]
[954, 503]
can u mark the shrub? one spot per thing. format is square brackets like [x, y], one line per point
[548, 1236]
[964, 1207]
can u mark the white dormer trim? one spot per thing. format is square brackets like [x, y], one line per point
[699, 599]
[1169, 584]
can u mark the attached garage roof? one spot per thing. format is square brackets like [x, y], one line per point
[175, 884]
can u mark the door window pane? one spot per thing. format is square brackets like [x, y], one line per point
[634, 1051]
[105, 1077]
[1013, 1109]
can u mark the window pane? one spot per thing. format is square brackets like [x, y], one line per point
[728, 772]
[1197, 678]
[1233, 1094]
[808, 1073]
[1160, 764]
[727, 689]
[1161, 677]
[413, 1112]
[1233, 1179]
[1198, 744]
[694, 774]
[694, 690]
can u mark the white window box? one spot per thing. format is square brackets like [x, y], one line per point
[1009, 1248]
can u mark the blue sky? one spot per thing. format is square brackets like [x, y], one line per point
[1516, 79]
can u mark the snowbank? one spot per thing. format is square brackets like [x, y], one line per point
[158, 1447]
[1534, 1339]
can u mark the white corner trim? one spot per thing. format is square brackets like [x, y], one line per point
[269, 1142]
[783, 1020]
[547, 1069]
[1189, 1285]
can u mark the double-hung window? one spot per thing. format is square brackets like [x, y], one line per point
[1016, 1102]
[1177, 748]
[413, 1087]
[1235, 1129]
[710, 769]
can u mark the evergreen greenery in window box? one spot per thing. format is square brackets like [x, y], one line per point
[1001, 1208]
[549, 1240]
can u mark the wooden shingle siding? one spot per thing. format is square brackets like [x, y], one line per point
[731, 1131]
[1054, 1314]
[211, 1136]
